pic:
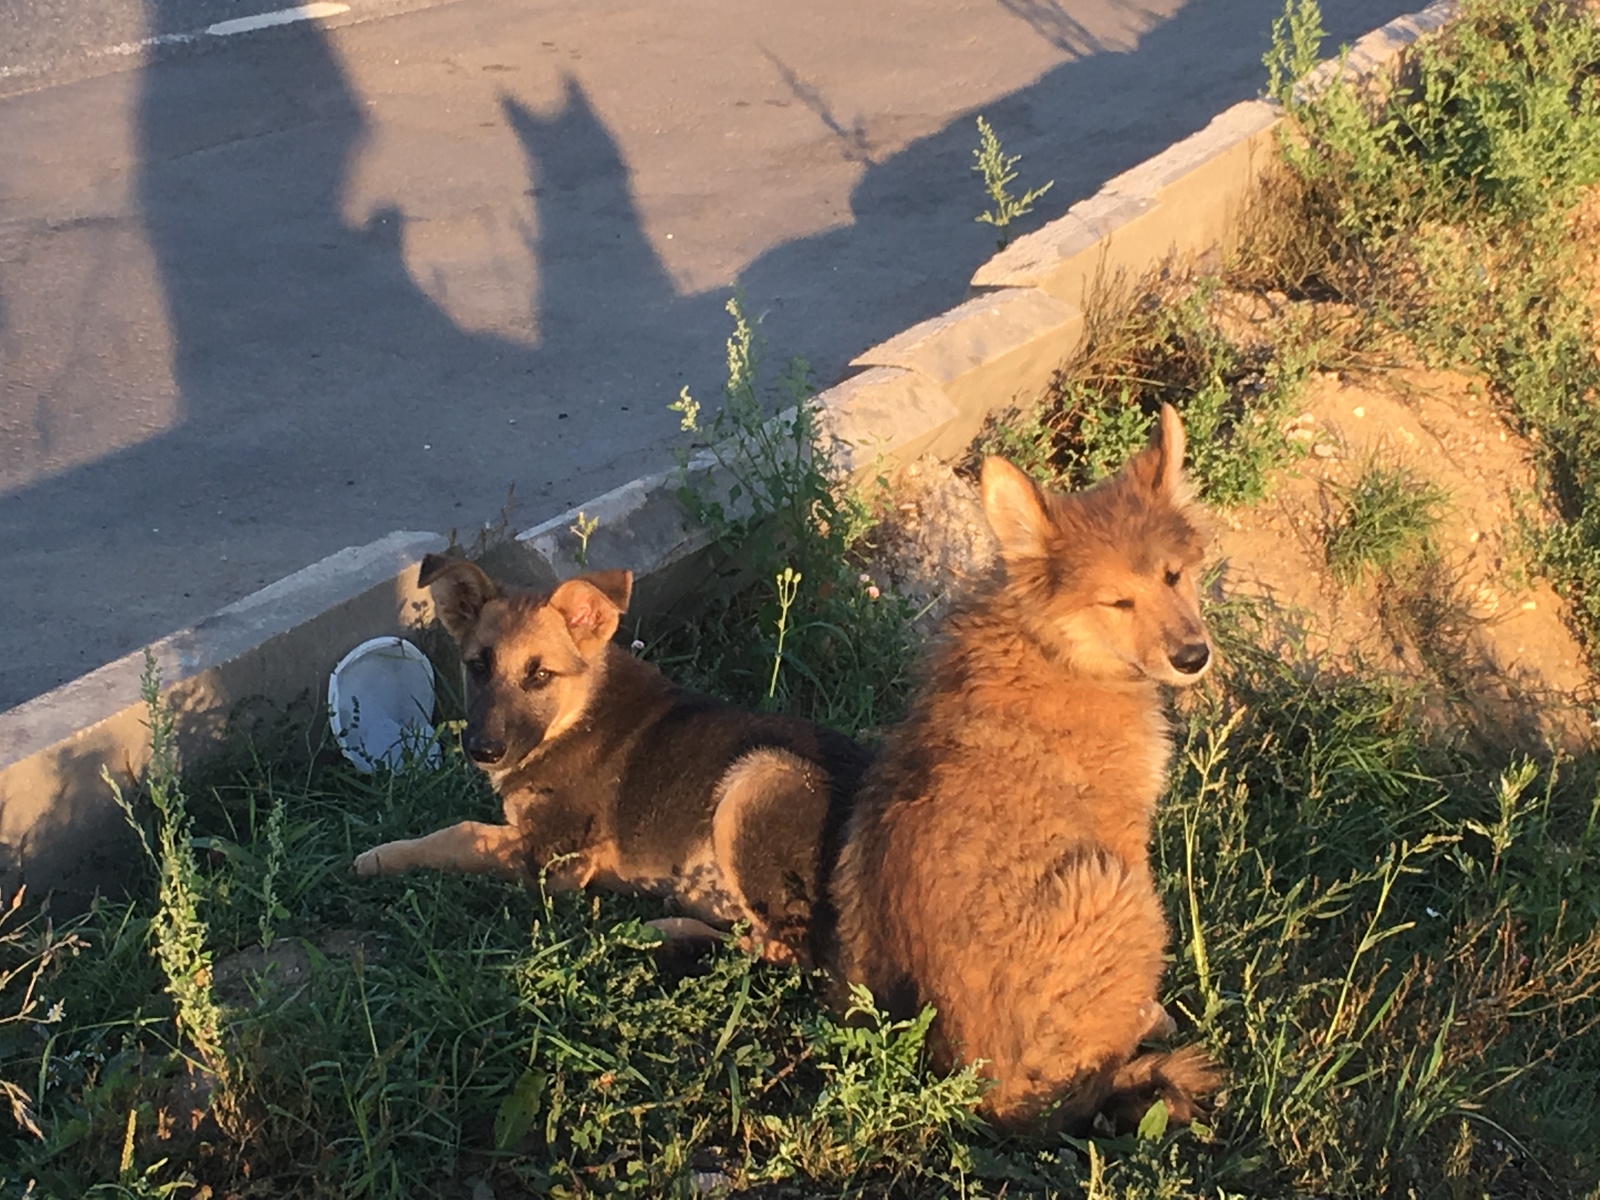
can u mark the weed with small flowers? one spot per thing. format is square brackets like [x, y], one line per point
[816, 635]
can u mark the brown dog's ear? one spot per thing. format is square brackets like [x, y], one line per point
[615, 586]
[460, 590]
[1015, 509]
[1159, 466]
[590, 614]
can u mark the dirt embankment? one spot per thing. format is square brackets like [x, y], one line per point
[1480, 634]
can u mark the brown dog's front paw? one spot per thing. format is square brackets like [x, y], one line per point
[368, 864]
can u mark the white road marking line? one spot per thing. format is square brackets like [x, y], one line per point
[123, 49]
[283, 16]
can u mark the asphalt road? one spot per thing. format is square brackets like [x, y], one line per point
[268, 295]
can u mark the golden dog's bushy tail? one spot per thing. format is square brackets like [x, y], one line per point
[1180, 1078]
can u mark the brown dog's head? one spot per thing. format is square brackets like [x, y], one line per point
[533, 660]
[1106, 577]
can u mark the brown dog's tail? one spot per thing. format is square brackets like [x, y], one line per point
[1180, 1078]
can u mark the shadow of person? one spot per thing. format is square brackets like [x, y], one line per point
[609, 312]
[323, 397]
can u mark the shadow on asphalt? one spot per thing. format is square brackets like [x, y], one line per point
[313, 369]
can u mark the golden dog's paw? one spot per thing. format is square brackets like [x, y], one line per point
[368, 864]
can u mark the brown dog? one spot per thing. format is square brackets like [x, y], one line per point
[996, 865]
[613, 777]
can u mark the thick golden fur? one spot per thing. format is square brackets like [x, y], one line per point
[997, 863]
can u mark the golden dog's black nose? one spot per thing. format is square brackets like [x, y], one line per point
[1190, 659]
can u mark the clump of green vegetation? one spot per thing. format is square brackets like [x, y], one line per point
[813, 634]
[1385, 521]
[1171, 346]
[876, 1110]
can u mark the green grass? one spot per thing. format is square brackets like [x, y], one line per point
[1384, 925]
[1400, 962]
[1389, 942]
[1385, 522]
[1163, 341]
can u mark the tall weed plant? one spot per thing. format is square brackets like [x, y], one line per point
[179, 936]
[999, 171]
[814, 636]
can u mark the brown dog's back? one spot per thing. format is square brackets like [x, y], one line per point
[997, 863]
[683, 794]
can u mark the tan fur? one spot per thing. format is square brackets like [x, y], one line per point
[470, 846]
[996, 865]
[740, 798]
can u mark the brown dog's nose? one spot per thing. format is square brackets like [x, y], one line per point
[1190, 659]
[483, 749]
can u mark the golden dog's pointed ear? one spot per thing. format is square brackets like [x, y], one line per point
[1015, 508]
[1159, 466]
[590, 614]
[615, 586]
[460, 590]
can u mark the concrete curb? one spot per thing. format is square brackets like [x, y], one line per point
[58, 825]
[926, 390]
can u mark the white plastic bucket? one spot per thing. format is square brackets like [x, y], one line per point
[380, 704]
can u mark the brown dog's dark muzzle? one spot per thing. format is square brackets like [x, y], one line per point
[1190, 659]
[481, 748]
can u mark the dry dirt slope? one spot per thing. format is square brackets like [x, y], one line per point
[1472, 626]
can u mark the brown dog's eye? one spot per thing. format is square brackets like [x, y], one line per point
[1173, 577]
[1123, 603]
[481, 664]
[537, 677]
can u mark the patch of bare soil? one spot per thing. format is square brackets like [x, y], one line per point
[1475, 625]
[1483, 638]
